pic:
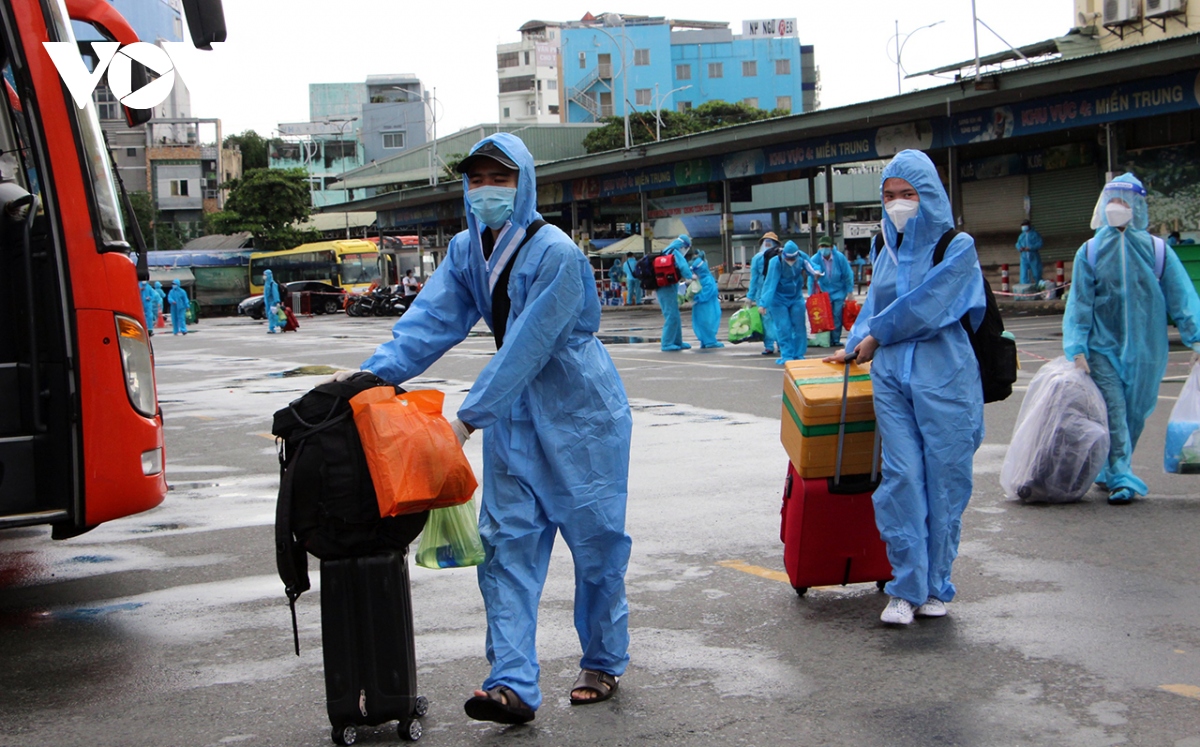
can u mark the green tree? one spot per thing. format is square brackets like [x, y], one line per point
[143, 210]
[708, 116]
[254, 147]
[267, 203]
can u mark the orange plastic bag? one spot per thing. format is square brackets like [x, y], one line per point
[850, 311]
[820, 312]
[415, 461]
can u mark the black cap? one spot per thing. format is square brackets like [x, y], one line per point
[488, 150]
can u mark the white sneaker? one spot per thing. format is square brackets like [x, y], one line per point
[898, 612]
[933, 607]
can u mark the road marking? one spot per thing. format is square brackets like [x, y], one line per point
[777, 371]
[754, 570]
[266, 435]
[1187, 691]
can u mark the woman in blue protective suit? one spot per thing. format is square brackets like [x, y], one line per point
[758, 275]
[838, 282]
[178, 298]
[706, 305]
[783, 295]
[160, 300]
[556, 427]
[1124, 283]
[668, 296]
[271, 301]
[928, 395]
[149, 304]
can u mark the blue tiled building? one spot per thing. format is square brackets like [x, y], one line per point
[674, 64]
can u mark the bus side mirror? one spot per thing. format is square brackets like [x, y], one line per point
[206, 22]
[138, 77]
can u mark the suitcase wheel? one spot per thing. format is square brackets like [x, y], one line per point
[344, 735]
[421, 706]
[800, 590]
[409, 731]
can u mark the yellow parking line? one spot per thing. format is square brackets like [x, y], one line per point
[1187, 691]
[754, 570]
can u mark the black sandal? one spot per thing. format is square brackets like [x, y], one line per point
[500, 705]
[601, 683]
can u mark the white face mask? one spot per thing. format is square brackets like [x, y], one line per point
[902, 211]
[1118, 215]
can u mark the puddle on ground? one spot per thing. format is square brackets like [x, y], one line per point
[623, 340]
[191, 485]
[92, 559]
[158, 528]
[305, 371]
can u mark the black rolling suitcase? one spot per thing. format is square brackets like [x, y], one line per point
[367, 636]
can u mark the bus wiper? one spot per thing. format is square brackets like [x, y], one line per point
[139, 241]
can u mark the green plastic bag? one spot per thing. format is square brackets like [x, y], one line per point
[745, 325]
[451, 538]
[819, 340]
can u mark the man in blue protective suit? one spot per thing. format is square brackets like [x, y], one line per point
[783, 295]
[838, 282]
[556, 426]
[633, 286]
[1124, 284]
[668, 296]
[149, 305]
[161, 299]
[270, 301]
[758, 273]
[178, 298]
[1030, 245]
[928, 396]
[706, 305]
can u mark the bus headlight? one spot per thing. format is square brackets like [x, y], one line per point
[138, 365]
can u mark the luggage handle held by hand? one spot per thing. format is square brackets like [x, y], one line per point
[837, 471]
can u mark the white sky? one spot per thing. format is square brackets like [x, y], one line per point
[260, 76]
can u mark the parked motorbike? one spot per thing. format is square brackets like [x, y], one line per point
[382, 301]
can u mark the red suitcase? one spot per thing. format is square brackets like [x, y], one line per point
[828, 528]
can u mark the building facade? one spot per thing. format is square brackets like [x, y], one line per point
[582, 71]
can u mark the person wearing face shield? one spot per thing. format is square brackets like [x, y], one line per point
[1029, 243]
[668, 296]
[783, 295]
[271, 301]
[556, 426]
[1124, 285]
[758, 273]
[838, 282]
[928, 395]
[706, 305]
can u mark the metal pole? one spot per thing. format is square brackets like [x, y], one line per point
[898, 91]
[812, 213]
[975, 34]
[657, 115]
[829, 200]
[726, 226]
[625, 88]
[433, 109]
[645, 238]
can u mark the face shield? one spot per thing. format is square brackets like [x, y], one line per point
[1125, 189]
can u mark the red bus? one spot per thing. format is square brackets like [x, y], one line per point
[80, 427]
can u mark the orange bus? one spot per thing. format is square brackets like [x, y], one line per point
[80, 427]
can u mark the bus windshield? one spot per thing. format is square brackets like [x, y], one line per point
[359, 269]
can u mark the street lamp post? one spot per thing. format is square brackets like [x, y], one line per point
[430, 101]
[899, 45]
[624, 74]
[658, 108]
[345, 188]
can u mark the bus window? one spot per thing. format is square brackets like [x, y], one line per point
[359, 269]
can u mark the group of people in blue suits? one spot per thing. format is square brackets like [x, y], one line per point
[153, 299]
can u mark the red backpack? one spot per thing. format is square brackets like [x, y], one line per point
[665, 271]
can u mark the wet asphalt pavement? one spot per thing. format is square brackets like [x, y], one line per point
[1074, 625]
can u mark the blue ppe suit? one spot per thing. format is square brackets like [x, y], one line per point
[1116, 316]
[1030, 245]
[556, 431]
[706, 305]
[270, 300]
[149, 305]
[633, 286]
[838, 282]
[178, 298]
[668, 297]
[757, 277]
[928, 397]
[783, 295]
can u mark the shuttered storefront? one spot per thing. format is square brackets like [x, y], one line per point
[994, 206]
[1060, 205]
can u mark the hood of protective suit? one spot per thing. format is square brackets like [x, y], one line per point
[682, 244]
[1127, 188]
[790, 249]
[934, 217]
[267, 275]
[525, 204]
[176, 283]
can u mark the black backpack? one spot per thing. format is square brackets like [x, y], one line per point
[997, 355]
[644, 272]
[327, 503]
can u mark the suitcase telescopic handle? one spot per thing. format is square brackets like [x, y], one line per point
[837, 471]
